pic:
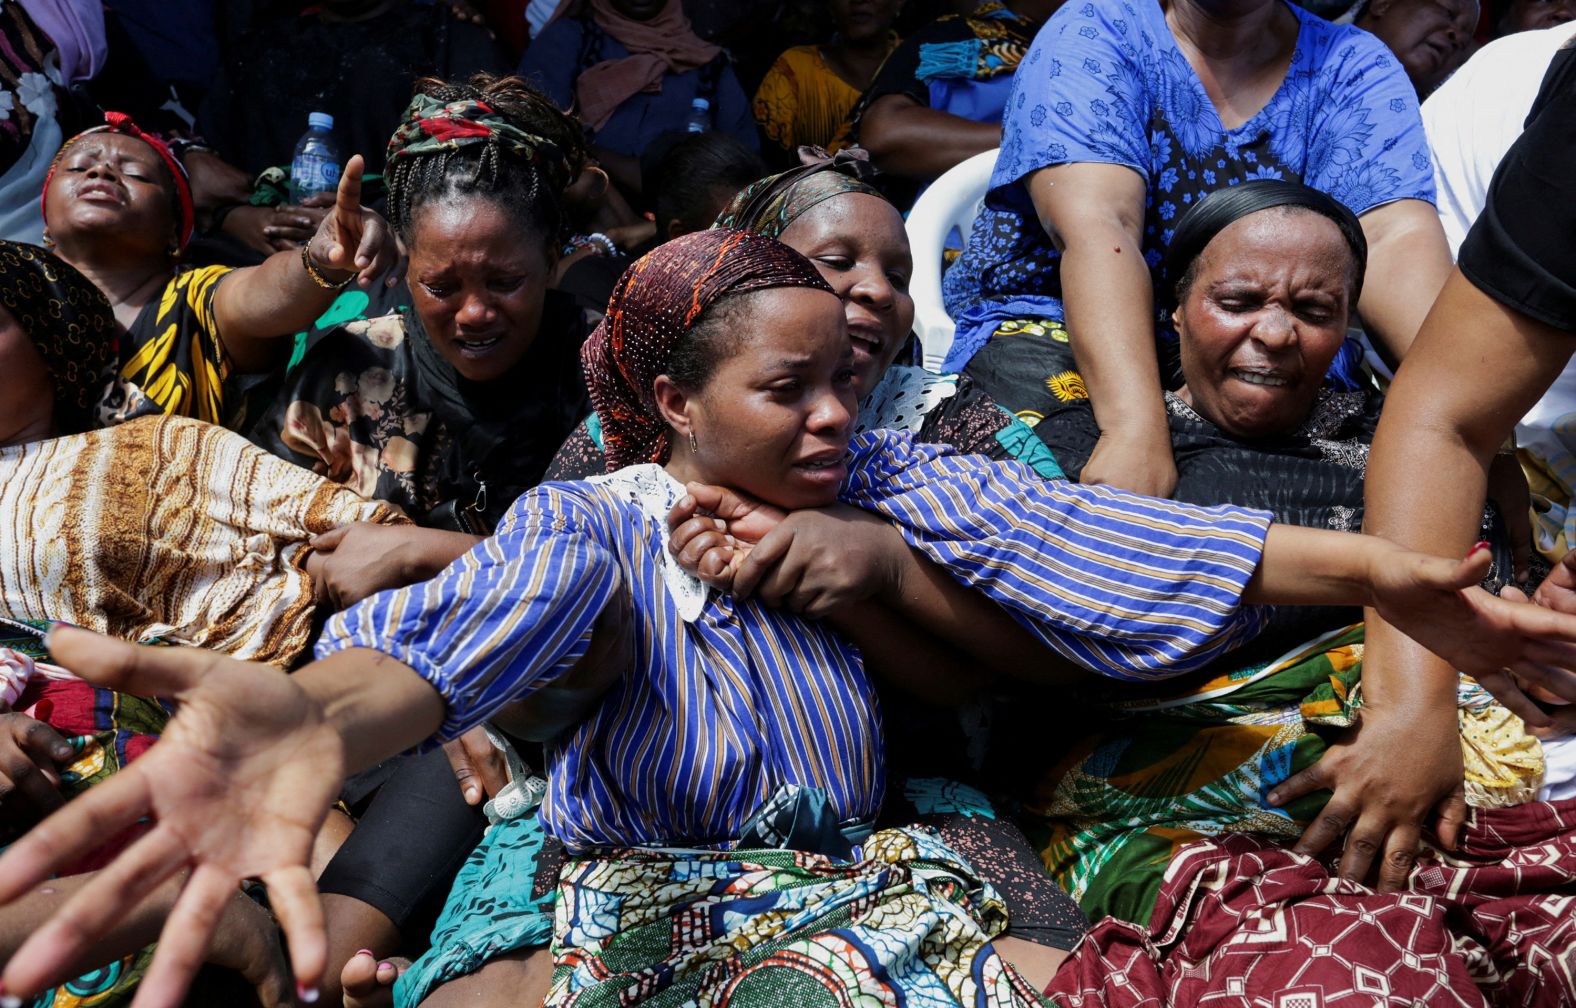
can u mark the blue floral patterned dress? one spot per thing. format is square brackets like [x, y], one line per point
[1105, 82]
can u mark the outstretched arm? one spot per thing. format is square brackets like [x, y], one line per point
[239, 785]
[256, 307]
[911, 619]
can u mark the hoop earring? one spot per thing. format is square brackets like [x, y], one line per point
[694, 445]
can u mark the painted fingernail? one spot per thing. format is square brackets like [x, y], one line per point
[7, 1000]
[1476, 548]
[366, 952]
[305, 994]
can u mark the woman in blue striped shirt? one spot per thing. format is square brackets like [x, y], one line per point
[733, 718]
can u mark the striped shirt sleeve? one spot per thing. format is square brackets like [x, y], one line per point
[501, 620]
[1128, 587]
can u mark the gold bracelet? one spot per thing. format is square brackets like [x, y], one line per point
[317, 274]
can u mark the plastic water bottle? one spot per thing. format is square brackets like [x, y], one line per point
[699, 120]
[315, 166]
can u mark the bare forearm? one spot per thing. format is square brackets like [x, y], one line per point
[971, 624]
[378, 706]
[906, 138]
[896, 650]
[1315, 567]
[128, 933]
[1408, 261]
[429, 551]
[1475, 370]
[1109, 306]
[257, 308]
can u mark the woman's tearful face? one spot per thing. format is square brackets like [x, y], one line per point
[1264, 316]
[774, 418]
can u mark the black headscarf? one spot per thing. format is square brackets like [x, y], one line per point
[69, 321]
[1224, 207]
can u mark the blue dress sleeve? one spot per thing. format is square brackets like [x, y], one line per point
[502, 620]
[549, 61]
[1080, 95]
[1367, 146]
[1126, 586]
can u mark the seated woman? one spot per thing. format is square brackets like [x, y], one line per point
[1264, 275]
[809, 93]
[631, 70]
[118, 207]
[938, 99]
[1430, 39]
[454, 406]
[826, 211]
[449, 408]
[1125, 119]
[718, 362]
[161, 529]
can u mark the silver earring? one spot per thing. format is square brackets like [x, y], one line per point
[694, 447]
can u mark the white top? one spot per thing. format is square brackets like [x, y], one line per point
[1474, 117]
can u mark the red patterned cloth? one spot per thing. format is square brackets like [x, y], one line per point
[1242, 921]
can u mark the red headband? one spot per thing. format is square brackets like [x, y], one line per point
[120, 122]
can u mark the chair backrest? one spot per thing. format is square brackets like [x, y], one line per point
[950, 202]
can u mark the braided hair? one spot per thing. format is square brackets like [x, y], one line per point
[496, 138]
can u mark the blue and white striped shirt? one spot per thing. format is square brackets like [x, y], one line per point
[723, 709]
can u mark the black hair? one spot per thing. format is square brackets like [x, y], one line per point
[682, 173]
[710, 340]
[1223, 207]
[531, 193]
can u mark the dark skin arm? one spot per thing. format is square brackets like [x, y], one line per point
[1094, 215]
[258, 308]
[853, 569]
[907, 138]
[1474, 370]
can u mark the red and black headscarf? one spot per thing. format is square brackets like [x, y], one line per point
[119, 122]
[657, 301]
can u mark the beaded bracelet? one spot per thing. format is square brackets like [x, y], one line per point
[599, 244]
[317, 274]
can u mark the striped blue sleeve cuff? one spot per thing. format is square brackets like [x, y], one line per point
[499, 622]
[1126, 586]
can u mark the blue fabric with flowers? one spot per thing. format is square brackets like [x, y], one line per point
[1105, 82]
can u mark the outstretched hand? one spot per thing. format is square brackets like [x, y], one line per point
[1542, 695]
[237, 786]
[1437, 603]
[351, 238]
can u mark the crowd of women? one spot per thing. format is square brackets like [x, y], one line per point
[487, 595]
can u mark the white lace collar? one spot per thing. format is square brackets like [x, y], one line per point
[903, 397]
[651, 489]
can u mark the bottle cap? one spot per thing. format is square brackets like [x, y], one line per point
[701, 103]
[320, 120]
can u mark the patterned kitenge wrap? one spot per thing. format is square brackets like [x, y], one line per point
[769, 205]
[908, 923]
[655, 303]
[1173, 767]
[1001, 38]
[70, 323]
[120, 122]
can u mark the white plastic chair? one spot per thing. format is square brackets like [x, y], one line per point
[950, 202]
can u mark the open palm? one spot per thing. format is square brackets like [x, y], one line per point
[237, 786]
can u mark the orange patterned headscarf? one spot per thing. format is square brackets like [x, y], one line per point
[655, 303]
